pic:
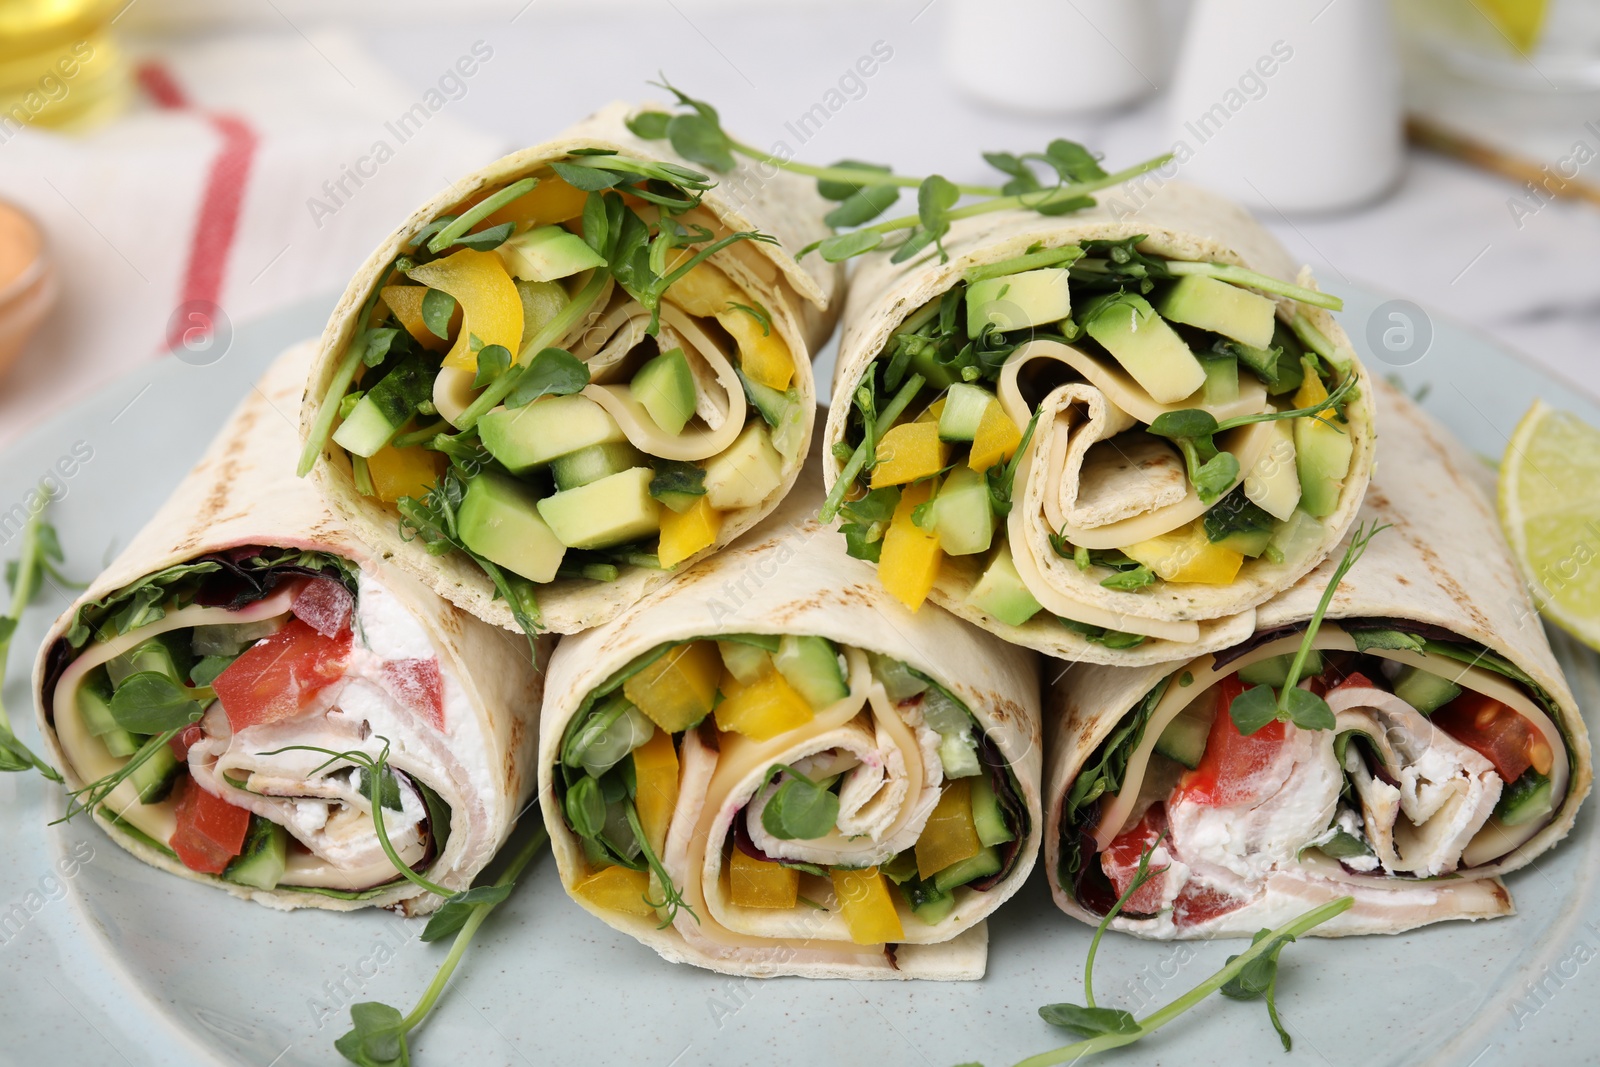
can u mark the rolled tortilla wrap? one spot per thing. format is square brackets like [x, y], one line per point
[714, 391]
[246, 576]
[1458, 754]
[1113, 551]
[925, 729]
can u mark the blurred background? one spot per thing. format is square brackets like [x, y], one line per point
[172, 169]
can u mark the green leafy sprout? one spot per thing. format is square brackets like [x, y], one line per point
[41, 551]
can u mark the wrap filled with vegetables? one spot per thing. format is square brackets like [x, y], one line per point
[1428, 744]
[242, 683]
[1108, 436]
[771, 767]
[572, 374]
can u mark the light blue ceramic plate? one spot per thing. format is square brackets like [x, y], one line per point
[114, 962]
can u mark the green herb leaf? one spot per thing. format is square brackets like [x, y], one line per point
[378, 1038]
[843, 246]
[1130, 580]
[1089, 1022]
[800, 809]
[1216, 476]
[454, 912]
[150, 702]
[1259, 978]
[1307, 710]
[487, 240]
[553, 372]
[864, 206]
[678, 476]
[209, 668]
[649, 125]
[1253, 709]
[1189, 422]
[378, 342]
[838, 189]
[585, 808]
[1395, 640]
[493, 361]
[437, 307]
[590, 179]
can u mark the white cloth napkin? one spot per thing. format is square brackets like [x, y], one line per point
[254, 172]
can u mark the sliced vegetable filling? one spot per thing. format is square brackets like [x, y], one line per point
[1442, 758]
[1166, 423]
[557, 382]
[208, 706]
[785, 787]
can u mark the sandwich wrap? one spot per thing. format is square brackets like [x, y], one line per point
[1458, 755]
[554, 502]
[247, 590]
[922, 730]
[1120, 545]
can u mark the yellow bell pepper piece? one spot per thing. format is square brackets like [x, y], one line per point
[398, 472]
[406, 303]
[950, 835]
[1187, 555]
[1311, 391]
[911, 556]
[655, 772]
[677, 690]
[763, 357]
[491, 310]
[907, 452]
[705, 291]
[759, 884]
[617, 889]
[997, 438]
[682, 535]
[932, 412]
[868, 908]
[765, 708]
[550, 202]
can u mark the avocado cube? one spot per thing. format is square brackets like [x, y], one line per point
[499, 520]
[1146, 346]
[1018, 301]
[1001, 591]
[1273, 484]
[1214, 305]
[962, 514]
[964, 406]
[612, 511]
[528, 437]
[665, 387]
[746, 472]
[546, 253]
[1323, 456]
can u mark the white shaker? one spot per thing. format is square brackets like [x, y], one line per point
[1289, 105]
[1055, 56]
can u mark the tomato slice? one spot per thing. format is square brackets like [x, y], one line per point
[1502, 736]
[417, 684]
[280, 676]
[1198, 903]
[186, 739]
[1354, 680]
[1120, 861]
[1228, 772]
[325, 605]
[210, 831]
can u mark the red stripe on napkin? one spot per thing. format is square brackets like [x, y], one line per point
[218, 221]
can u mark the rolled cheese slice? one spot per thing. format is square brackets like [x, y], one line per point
[861, 796]
[1458, 753]
[1089, 328]
[298, 646]
[556, 512]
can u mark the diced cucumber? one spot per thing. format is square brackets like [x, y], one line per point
[985, 863]
[1222, 380]
[964, 406]
[987, 816]
[746, 472]
[546, 253]
[958, 753]
[385, 408]
[932, 908]
[1424, 690]
[154, 778]
[745, 662]
[593, 463]
[898, 681]
[265, 855]
[811, 665]
[1001, 591]
[527, 437]
[1294, 538]
[152, 655]
[1526, 799]
[1246, 542]
[790, 433]
[1184, 739]
[901, 869]
[665, 387]
[94, 704]
[230, 639]
[962, 514]
[1274, 670]
[765, 399]
[613, 511]
[499, 519]
[943, 714]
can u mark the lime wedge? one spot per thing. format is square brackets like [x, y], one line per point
[1550, 511]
